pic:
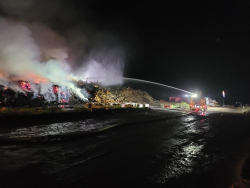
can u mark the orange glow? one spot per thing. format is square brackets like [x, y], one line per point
[36, 78]
[2, 75]
[31, 77]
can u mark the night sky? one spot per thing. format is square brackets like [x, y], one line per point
[200, 46]
[196, 46]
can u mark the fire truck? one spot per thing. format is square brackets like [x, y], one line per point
[198, 104]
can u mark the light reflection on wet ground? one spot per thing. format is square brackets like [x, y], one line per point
[59, 128]
[86, 125]
[183, 151]
[166, 150]
[181, 162]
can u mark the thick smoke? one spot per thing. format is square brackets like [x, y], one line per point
[21, 59]
[31, 51]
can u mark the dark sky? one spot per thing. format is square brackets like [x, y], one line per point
[197, 46]
[193, 45]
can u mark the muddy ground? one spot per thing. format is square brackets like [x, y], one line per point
[185, 151]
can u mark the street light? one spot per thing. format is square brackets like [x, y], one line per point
[223, 95]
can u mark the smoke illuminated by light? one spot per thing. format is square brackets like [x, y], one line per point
[30, 59]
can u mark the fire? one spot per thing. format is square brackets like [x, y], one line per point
[63, 101]
[55, 89]
[32, 83]
[25, 85]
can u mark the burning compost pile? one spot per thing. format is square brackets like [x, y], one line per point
[39, 67]
[45, 54]
[56, 95]
[28, 98]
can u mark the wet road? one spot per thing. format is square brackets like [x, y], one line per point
[238, 110]
[189, 151]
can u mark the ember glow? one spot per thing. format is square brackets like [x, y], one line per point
[63, 101]
[25, 86]
[55, 89]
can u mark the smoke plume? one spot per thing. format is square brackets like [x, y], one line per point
[21, 59]
[31, 51]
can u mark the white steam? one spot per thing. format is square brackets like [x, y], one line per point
[105, 66]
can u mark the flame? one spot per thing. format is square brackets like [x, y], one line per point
[63, 101]
[25, 85]
[55, 89]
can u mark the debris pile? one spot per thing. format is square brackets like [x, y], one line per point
[122, 95]
[55, 95]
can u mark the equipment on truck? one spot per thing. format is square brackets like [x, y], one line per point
[198, 104]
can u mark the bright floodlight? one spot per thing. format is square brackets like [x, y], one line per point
[194, 95]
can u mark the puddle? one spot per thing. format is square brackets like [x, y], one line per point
[182, 161]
